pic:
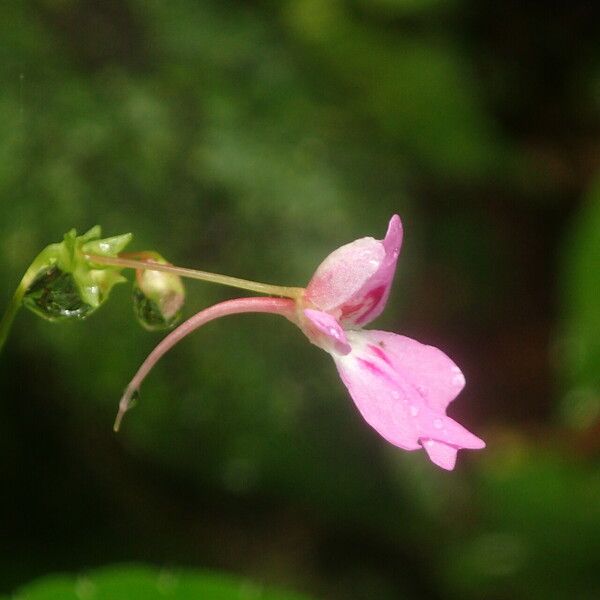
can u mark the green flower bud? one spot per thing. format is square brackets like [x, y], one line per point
[157, 296]
[64, 285]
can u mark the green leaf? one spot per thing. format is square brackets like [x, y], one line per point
[145, 583]
[580, 347]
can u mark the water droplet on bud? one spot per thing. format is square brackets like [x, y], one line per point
[54, 295]
[157, 299]
[149, 314]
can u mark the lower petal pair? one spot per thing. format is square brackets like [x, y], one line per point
[402, 388]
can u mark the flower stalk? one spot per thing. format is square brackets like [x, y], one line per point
[244, 284]
[279, 306]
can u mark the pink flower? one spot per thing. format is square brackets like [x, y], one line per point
[400, 386]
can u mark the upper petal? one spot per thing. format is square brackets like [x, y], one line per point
[354, 281]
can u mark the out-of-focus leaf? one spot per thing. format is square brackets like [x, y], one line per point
[143, 583]
[579, 350]
[402, 8]
[419, 90]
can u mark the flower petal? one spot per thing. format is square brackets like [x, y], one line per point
[401, 388]
[443, 455]
[326, 331]
[439, 427]
[435, 376]
[354, 281]
[384, 405]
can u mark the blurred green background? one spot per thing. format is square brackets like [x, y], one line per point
[252, 138]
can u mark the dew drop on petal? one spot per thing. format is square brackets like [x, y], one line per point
[414, 410]
[438, 423]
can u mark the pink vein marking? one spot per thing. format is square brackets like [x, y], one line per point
[380, 353]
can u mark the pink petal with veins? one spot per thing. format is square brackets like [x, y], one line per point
[438, 379]
[401, 388]
[354, 281]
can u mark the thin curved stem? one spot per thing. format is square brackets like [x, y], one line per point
[17, 300]
[245, 284]
[11, 313]
[279, 306]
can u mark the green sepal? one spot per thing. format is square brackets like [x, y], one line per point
[105, 247]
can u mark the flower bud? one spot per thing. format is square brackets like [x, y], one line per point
[64, 285]
[157, 296]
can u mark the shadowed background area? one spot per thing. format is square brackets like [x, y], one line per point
[252, 138]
